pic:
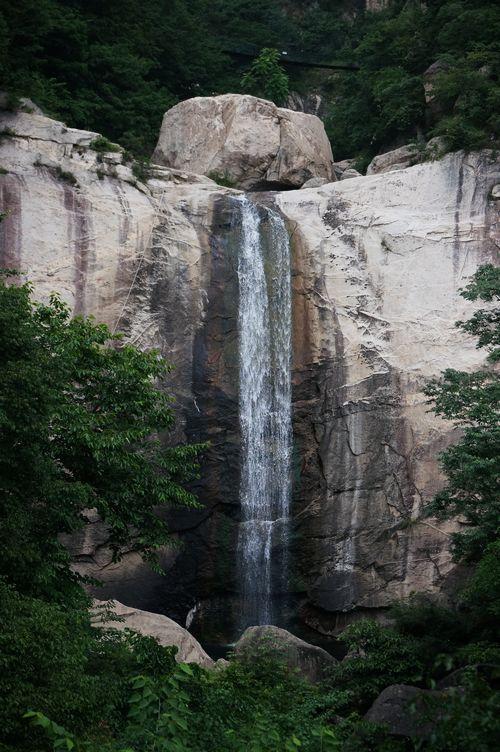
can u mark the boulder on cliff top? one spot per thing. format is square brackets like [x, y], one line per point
[312, 661]
[249, 142]
[398, 159]
[167, 632]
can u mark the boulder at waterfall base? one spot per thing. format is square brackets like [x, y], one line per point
[405, 710]
[167, 632]
[311, 661]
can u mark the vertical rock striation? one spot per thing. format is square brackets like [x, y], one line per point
[378, 265]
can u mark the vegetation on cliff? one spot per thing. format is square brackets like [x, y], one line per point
[80, 426]
[115, 67]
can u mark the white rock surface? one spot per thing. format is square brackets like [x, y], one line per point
[167, 632]
[245, 140]
[379, 262]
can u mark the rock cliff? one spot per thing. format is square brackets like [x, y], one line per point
[377, 265]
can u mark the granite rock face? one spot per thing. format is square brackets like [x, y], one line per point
[377, 266]
[151, 261]
[248, 142]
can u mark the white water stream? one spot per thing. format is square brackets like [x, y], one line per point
[264, 324]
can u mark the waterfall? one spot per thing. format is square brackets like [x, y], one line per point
[264, 325]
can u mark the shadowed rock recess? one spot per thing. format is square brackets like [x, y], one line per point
[377, 264]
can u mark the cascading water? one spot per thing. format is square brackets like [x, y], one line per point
[264, 324]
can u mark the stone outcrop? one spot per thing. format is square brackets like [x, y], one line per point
[405, 156]
[406, 711]
[376, 5]
[398, 159]
[340, 167]
[311, 104]
[311, 661]
[315, 183]
[434, 108]
[349, 174]
[377, 266]
[165, 631]
[248, 142]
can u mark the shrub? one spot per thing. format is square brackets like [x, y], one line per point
[142, 170]
[221, 179]
[266, 78]
[102, 145]
[377, 656]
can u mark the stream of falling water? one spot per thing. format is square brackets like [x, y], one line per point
[264, 324]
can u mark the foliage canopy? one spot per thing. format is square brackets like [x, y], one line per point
[472, 401]
[115, 67]
[82, 426]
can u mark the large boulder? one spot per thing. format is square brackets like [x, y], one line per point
[250, 143]
[340, 167]
[167, 632]
[398, 159]
[312, 661]
[349, 174]
[407, 711]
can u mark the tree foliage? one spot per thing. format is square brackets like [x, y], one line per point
[266, 77]
[472, 401]
[383, 103]
[115, 67]
[53, 661]
[82, 426]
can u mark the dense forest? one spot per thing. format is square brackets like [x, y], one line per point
[115, 67]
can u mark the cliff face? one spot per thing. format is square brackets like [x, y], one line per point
[377, 265]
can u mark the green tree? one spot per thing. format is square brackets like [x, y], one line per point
[472, 401]
[377, 656]
[82, 425]
[54, 661]
[266, 77]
